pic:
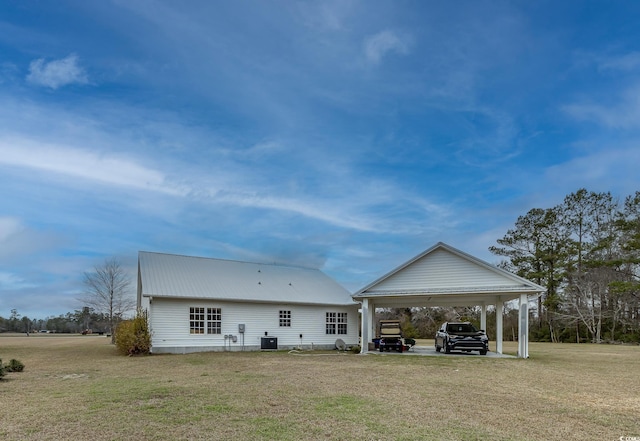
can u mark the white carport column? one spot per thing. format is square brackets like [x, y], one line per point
[365, 326]
[483, 317]
[523, 327]
[372, 321]
[499, 312]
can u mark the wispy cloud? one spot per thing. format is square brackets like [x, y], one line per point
[8, 227]
[608, 61]
[85, 164]
[77, 153]
[13, 281]
[612, 169]
[379, 45]
[353, 210]
[327, 15]
[18, 240]
[627, 62]
[623, 114]
[8, 72]
[310, 207]
[57, 73]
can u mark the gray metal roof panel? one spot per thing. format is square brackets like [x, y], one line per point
[168, 275]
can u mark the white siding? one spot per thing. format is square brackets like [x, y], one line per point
[143, 303]
[442, 269]
[169, 322]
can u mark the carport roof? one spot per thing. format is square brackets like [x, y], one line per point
[446, 276]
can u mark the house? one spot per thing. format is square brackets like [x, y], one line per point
[199, 304]
[445, 276]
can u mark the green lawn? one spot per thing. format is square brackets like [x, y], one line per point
[78, 387]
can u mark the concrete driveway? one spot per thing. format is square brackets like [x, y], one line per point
[431, 351]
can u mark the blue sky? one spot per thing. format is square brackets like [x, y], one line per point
[342, 135]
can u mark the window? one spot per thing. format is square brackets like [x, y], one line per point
[199, 321]
[196, 320]
[214, 321]
[285, 318]
[342, 323]
[331, 323]
[461, 327]
[336, 323]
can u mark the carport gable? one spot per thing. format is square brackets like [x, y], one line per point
[445, 276]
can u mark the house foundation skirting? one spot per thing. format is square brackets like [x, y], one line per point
[234, 348]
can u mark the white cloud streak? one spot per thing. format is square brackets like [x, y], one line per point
[382, 43]
[13, 281]
[57, 73]
[17, 240]
[628, 62]
[9, 226]
[624, 114]
[84, 164]
[313, 210]
[604, 170]
[352, 212]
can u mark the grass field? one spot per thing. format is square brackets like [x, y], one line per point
[77, 387]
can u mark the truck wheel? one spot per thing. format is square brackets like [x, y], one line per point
[483, 352]
[400, 348]
[447, 349]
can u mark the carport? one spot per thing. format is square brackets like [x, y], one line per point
[445, 276]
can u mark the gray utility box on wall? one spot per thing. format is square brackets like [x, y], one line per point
[269, 343]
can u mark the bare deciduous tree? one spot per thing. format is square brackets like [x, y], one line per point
[108, 291]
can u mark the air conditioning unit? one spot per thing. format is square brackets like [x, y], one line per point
[269, 343]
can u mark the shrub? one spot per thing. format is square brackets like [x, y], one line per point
[409, 331]
[14, 366]
[355, 349]
[132, 337]
[630, 337]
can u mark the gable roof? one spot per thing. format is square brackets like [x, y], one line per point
[169, 275]
[444, 272]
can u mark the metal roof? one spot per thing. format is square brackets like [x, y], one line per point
[169, 275]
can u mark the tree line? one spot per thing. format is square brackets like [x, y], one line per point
[71, 322]
[586, 253]
[107, 299]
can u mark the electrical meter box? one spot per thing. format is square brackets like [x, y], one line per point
[241, 328]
